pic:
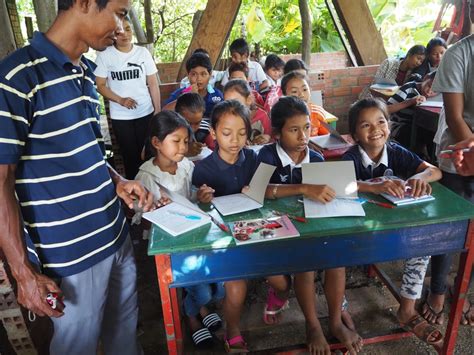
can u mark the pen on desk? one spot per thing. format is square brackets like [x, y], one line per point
[221, 226]
[446, 154]
[381, 204]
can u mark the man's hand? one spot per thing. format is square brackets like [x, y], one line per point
[32, 291]
[129, 190]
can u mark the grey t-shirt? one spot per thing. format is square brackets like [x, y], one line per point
[455, 75]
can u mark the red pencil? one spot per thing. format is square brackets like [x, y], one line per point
[381, 204]
[222, 226]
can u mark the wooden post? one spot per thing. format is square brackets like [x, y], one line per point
[359, 26]
[212, 31]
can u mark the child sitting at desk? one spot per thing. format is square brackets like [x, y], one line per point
[227, 171]
[199, 70]
[239, 90]
[191, 106]
[295, 84]
[401, 108]
[274, 69]
[375, 157]
[169, 138]
[291, 126]
[241, 71]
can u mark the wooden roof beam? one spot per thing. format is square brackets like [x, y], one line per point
[359, 26]
[212, 31]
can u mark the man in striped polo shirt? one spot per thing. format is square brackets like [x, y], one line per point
[69, 221]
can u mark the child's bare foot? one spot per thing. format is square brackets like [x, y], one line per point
[347, 319]
[433, 309]
[348, 337]
[315, 340]
[468, 313]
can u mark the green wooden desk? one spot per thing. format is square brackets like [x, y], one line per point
[209, 255]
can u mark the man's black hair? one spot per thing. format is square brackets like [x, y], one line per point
[240, 46]
[67, 4]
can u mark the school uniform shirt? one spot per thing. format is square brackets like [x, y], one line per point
[180, 182]
[49, 128]
[456, 75]
[287, 171]
[210, 100]
[225, 178]
[405, 116]
[126, 75]
[400, 160]
[256, 75]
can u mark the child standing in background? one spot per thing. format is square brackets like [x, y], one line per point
[239, 51]
[373, 156]
[295, 84]
[169, 138]
[291, 126]
[191, 106]
[261, 128]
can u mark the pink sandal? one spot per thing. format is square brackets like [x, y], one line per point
[229, 345]
[273, 306]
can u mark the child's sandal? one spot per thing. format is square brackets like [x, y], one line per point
[202, 338]
[212, 322]
[230, 347]
[274, 305]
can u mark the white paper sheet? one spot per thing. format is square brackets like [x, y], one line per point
[335, 208]
[177, 219]
[252, 199]
[339, 175]
[205, 152]
[432, 103]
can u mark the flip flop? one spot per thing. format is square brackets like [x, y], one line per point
[202, 338]
[438, 314]
[212, 322]
[423, 330]
[273, 306]
[229, 345]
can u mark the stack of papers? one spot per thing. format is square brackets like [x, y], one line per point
[340, 176]
[408, 199]
[330, 141]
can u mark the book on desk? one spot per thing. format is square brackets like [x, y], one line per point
[262, 229]
[407, 199]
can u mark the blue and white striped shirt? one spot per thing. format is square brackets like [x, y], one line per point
[49, 128]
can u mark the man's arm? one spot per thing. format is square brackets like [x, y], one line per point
[454, 108]
[32, 286]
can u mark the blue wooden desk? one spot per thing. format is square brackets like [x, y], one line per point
[209, 255]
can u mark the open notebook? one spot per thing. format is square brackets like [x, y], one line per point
[340, 176]
[332, 140]
[251, 199]
[178, 217]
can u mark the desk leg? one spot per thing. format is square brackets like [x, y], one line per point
[169, 304]
[460, 291]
